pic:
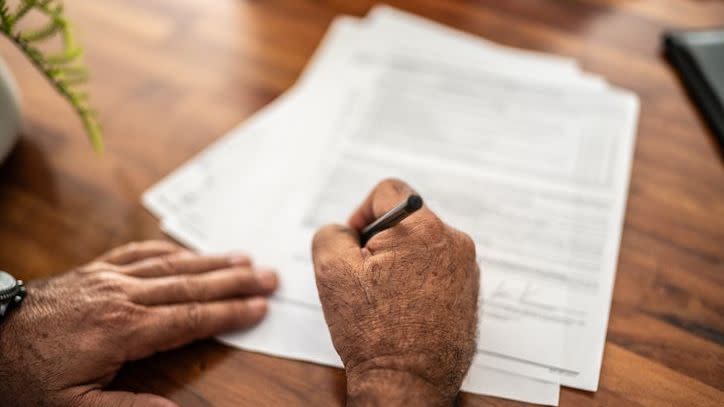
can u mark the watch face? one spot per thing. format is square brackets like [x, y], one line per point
[6, 281]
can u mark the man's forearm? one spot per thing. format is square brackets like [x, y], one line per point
[384, 387]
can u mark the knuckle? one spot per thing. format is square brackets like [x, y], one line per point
[436, 225]
[132, 247]
[466, 254]
[467, 245]
[161, 244]
[322, 236]
[433, 228]
[96, 266]
[193, 317]
[325, 230]
[167, 264]
[121, 314]
[108, 283]
[395, 184]
[140, 246]
[470, 251]
[192, 290]
[84, 399]
[322, 264]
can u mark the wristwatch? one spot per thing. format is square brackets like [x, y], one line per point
[12, 292]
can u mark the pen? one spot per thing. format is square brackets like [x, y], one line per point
[392, 218]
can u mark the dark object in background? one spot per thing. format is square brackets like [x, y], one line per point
[699, 58]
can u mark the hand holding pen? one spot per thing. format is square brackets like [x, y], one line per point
[410, 284]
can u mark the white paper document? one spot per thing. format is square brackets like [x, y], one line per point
[523, 151]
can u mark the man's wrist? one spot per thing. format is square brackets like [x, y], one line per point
[377, 387]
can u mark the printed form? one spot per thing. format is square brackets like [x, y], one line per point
[534, 169]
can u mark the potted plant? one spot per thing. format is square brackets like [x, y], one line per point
[64, 68]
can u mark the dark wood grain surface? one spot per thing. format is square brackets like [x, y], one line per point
[170, 76]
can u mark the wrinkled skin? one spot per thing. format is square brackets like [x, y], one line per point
[402, 310]
[73, 332]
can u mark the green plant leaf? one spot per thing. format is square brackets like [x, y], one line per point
[64, 69]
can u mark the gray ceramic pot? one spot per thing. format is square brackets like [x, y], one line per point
[9, 111]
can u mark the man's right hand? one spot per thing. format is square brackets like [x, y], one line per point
[401, 310]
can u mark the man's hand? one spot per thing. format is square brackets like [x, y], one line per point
[73, 332]
[401, 310]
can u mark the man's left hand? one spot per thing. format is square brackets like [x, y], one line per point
[73, 332]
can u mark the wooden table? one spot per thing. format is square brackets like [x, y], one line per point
[170, 76]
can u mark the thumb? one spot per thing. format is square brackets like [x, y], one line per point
[333, 244]
[124, 399]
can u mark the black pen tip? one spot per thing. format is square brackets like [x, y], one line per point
[414, 202]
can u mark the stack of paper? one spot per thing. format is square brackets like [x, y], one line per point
[523, 151]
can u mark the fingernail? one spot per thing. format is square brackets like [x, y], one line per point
[257, 306]
[267, 279]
